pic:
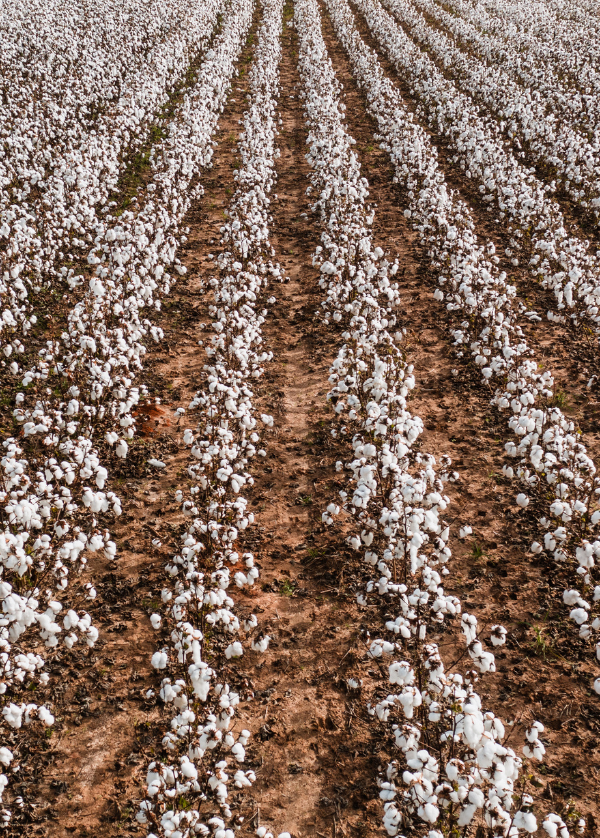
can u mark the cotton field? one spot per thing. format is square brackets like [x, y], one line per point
[300, 416]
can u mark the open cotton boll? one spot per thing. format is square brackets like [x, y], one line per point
[6, 756]
[465, 531]
[156, 463]
[122, 449]
[234, 650]
[160, 660]
[526, 821]
[156, 620]
[555, 827]
[522, 500]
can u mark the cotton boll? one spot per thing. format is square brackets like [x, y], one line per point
[156, 620]
[121, 449]
[498, 635]
[536, 547]
[160, 660]
[234, 650]
[526, 821]
[522, 500]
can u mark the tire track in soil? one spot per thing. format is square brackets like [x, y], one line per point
[570, 353]
[490, 572]
[106, 729]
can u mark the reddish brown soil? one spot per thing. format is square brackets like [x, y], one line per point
[315, 750]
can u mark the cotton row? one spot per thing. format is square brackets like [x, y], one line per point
[203, 757]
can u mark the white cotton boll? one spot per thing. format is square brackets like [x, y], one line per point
[261, 644]
[429, 812]
[156, 463]
[284, 835]
[526, 821]
[522, 500]
[6, 756]
[122, 449]
[465, 531]
[498, 635]
[579, 615]
[156, 620]
[45, 716]
[238, 752]
[159, 660]
[551, 828]
[188, 769]
[234, 650]
[536, 547]
[571, 597]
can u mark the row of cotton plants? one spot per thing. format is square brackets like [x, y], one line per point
[567, 157]
[59, 170]
[535, 221]
[455, 773]
[550, 459]
[572, 96]
[190, 788]
[568, 50]
[564, 28]
[559, 95]
[56, 505]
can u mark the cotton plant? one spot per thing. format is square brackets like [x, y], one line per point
[189, 789]
[550, 461]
